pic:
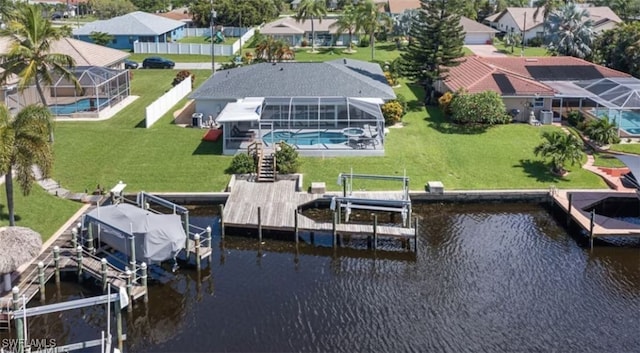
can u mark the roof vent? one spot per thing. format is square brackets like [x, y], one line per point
[531, 60]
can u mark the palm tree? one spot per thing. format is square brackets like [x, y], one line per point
[347, 23]
[546, 7]
[602, 131]
[512, 39]
[560, 148]
[570, 32]
[308, 10]
[24, 144]
[29, 56]
[271, 50]
[370, 19]
[101, 38]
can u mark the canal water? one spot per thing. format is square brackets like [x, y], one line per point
[486, 278]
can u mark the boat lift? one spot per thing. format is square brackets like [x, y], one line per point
[348, 202]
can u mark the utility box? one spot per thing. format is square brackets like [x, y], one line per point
[318, 188]
[435, 187]
[546, 117]
[196, 120]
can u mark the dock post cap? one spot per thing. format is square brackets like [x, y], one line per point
[208, 228]
[143, 265]
[128, 272]
[103, 261]
[15, 290]
[79, 248]
[79, 225]
[56, 248]
[74, 230]
[40, 264]
[196, 236]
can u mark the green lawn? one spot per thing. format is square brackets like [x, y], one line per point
[163, 158]
[627, 147]
[384, 52]
[181, 58]
[203, 40]
[528, 51]
[40, 211]
[607, 160]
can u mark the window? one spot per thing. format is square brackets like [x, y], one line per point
[538, 103]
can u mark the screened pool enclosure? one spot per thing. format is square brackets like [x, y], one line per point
[315, 126]
[100, 88]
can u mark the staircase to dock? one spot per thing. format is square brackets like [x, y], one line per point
[267, 168]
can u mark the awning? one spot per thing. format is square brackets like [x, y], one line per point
[248, 109]
[632, 162]
[368, 105]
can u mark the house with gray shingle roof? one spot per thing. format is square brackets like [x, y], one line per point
[134, 27]
[322, 108]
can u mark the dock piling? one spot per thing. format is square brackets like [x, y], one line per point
[222, 221]
[591, 226]
[18, 320]
[143, 268]
[333, 229]
[41, 280]
[103, 271]
[118, 311]
[210, 244]
[260, 224]
[90, 239]
[196, 239]
[415, 236]
[74, 237]
[129, 275]
[56, 262]
[79, 260]
[375, 232]
[295, 226]
[570, 196]
[132, 242]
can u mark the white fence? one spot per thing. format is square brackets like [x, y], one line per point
[190, 48]
[161, 106]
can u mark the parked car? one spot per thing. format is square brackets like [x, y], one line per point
[156, 62]
[130, 64]
[57, 16]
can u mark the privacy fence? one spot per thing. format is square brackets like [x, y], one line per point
[191, 48]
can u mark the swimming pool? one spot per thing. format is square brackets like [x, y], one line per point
[629, 120]
[307, 138]
[78, 106]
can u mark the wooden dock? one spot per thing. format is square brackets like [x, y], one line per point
[602, 226]
[278, 202]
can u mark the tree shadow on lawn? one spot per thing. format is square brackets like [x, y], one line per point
[439, 122]
[5, 216]
[539, 170]
[416, 104]
[208, 148]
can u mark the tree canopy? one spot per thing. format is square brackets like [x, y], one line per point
[311, 10]
[619, 48]
[105, 9]
[228, 12]
[570, 32]
[437, 44]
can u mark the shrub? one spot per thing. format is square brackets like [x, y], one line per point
[479, 108]
[390, 78]
[445, 102]
[535, 42]
[181, 76]
[304, 43]
[392, 112]
[287, 161]
[575, 118]
[364, 41]
[241, 164]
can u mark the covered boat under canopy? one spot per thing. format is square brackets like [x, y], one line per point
[157, 237]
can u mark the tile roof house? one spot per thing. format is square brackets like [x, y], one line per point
[180, 14]
[294, 32]
[294, 96]
[397, 7]
[526, 84]
[136, 26]
[521, 19]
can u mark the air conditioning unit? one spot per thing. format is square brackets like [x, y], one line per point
[546, 117]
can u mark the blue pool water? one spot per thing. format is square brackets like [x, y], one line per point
[305, 138]
[629, 120]
[78, 106]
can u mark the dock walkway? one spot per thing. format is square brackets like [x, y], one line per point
[279, 200]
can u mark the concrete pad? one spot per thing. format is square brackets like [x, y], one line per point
[485, 50]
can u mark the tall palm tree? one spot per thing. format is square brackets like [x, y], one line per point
[308, 10]
[347, 23]
[272, 50]
[602, 131]
[29, 56]
[370, 19]
[24, 144]
[560, 148]
[570, 32]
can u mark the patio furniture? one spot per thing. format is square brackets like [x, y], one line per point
[236, 132]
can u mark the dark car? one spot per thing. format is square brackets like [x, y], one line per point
[130, 64]
[157, 63]
[57, 16]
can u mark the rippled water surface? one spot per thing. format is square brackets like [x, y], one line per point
[486, 278]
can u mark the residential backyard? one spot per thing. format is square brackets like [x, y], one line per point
[528, 51]
[206, 40]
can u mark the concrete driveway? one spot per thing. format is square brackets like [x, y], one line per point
[196, 66]
[485, 50]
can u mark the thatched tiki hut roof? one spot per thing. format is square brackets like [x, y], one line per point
[18, 245]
